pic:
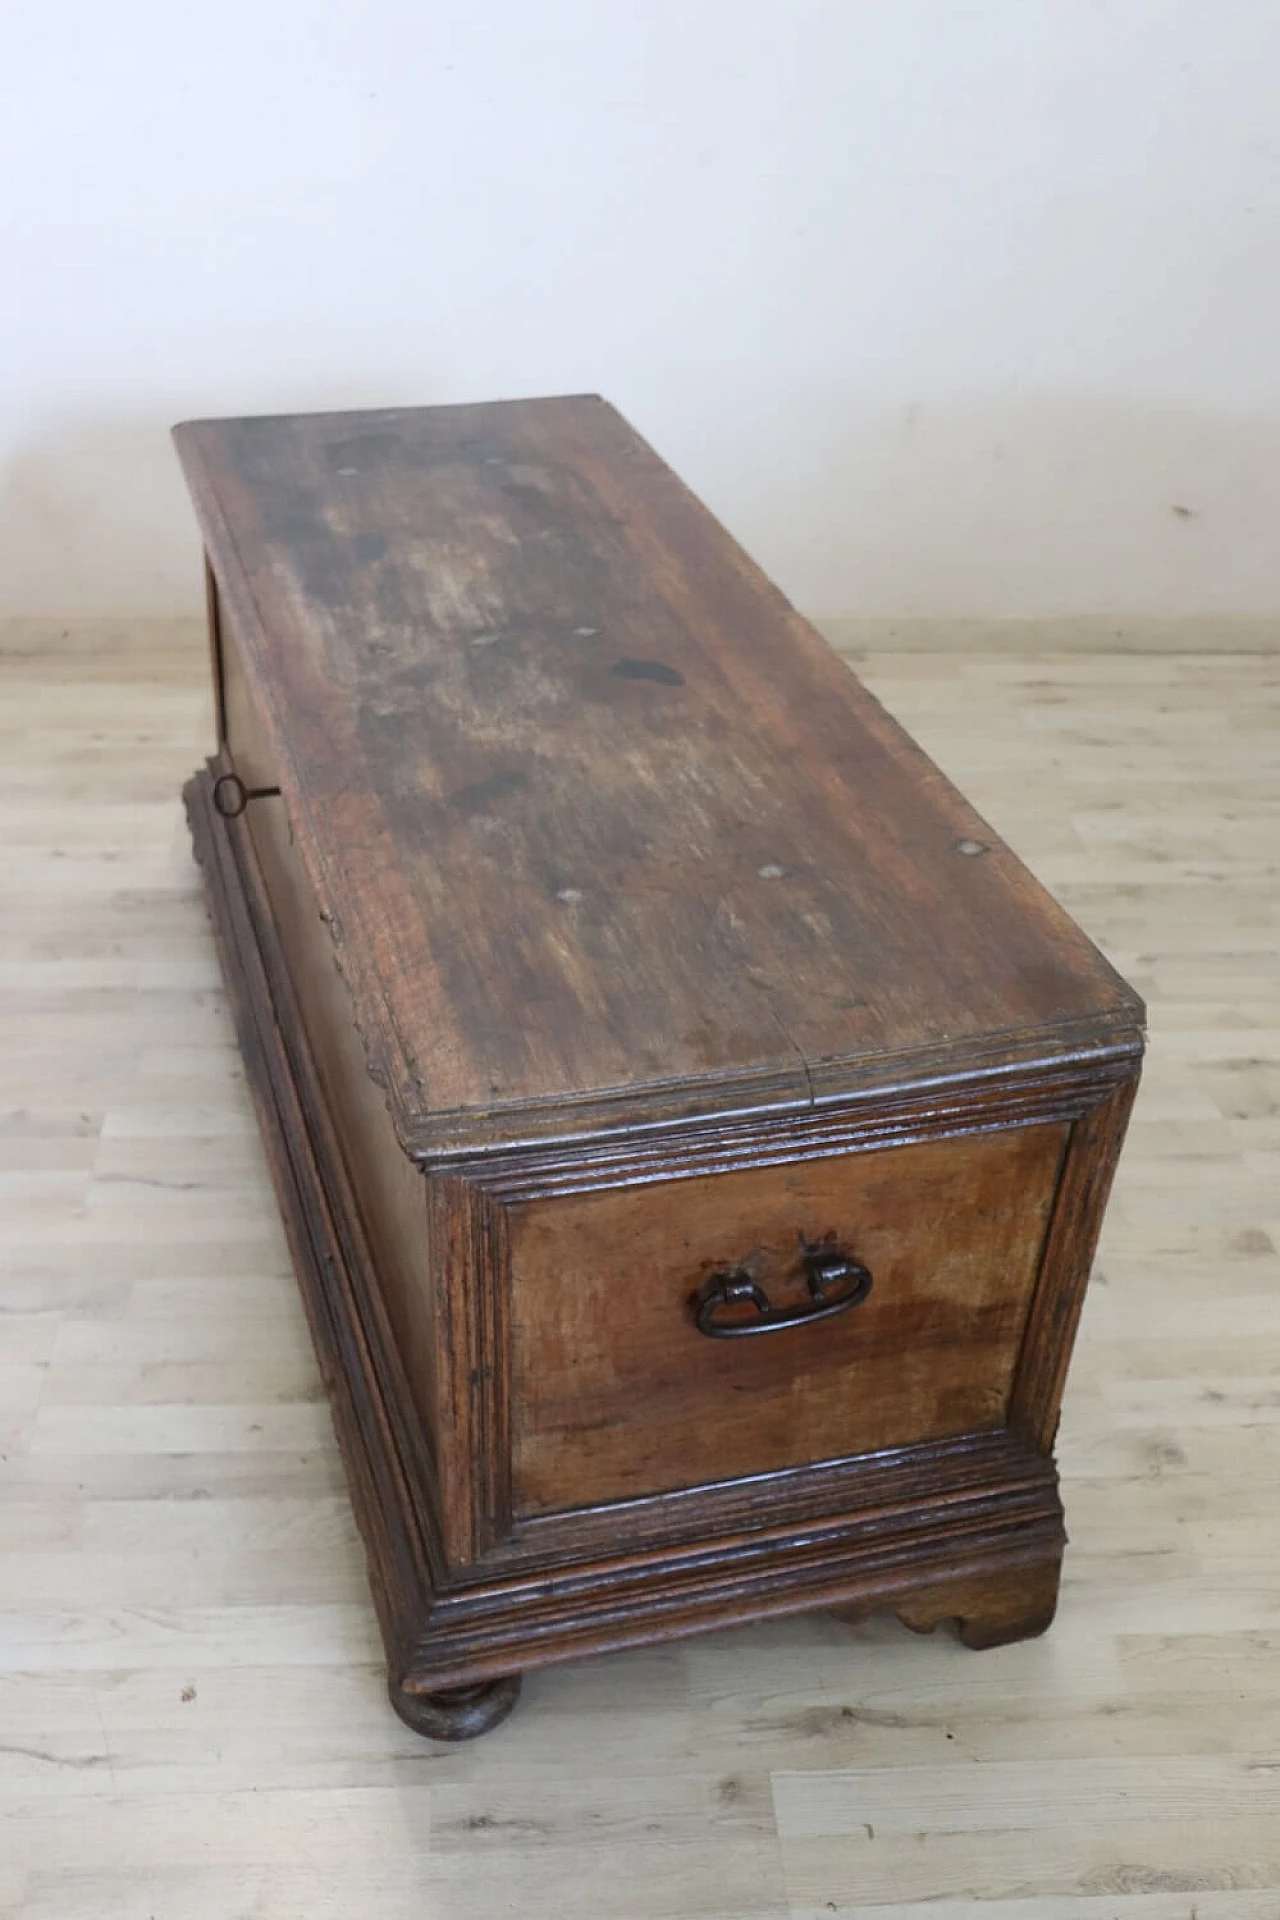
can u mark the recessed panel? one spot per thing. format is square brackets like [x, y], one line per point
[616, 1391]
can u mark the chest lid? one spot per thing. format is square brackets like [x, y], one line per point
[606, 833]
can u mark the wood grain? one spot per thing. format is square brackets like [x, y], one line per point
[598, 817]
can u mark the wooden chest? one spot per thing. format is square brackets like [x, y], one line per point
[691, 1122]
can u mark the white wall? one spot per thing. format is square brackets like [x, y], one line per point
[943, 307]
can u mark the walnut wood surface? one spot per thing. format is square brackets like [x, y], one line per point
[616, 1393]
[605, 832]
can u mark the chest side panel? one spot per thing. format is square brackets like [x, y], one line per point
[390, 1189]
[615, 1392]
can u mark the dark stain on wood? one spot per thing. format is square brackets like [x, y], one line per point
[654, 670]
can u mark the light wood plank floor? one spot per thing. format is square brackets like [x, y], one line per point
[192, 1720]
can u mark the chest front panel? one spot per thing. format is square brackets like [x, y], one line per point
[616, 1392]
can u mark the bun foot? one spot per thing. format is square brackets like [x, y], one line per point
[461, 1713]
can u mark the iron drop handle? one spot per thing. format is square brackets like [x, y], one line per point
[836, 1283]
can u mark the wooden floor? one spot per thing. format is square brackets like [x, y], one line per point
[192, 1717]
